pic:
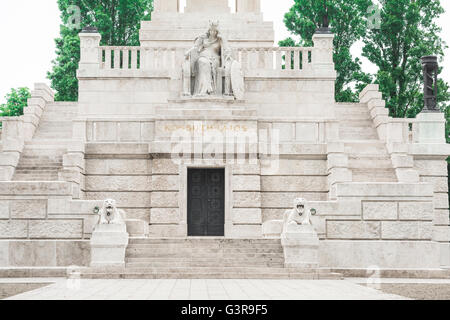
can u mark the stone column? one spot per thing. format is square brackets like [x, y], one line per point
[89, 50]
[248, 6]
[166, 6]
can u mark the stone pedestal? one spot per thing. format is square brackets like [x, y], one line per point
[301, 247]
[108, 245]
[431, 127]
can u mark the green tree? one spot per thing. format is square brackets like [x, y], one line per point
[118, 22]
[348, 22]
[16, 100]
[408, 31]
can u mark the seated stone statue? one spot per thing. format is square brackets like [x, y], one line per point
[110, 214]
[299, 215]
[207, 63]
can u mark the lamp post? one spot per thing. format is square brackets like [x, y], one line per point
[430, 72]
[324, 29]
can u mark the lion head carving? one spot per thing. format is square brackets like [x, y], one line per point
[109, 213]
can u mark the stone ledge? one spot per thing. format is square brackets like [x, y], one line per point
[57, 188]
[440, 151]
[362, 189]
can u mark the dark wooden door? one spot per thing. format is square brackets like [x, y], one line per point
[206, 202]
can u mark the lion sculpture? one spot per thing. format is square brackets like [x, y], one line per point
[299, 215]
[110, 214]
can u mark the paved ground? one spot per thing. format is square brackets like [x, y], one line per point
[204, 290]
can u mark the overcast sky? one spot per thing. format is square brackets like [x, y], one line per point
[28, 29]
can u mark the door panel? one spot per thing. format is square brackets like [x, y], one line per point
[206, 202]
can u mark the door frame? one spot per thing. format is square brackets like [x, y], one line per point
[183, 196]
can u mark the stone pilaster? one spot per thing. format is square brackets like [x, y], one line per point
[323, 54]
[89, 51]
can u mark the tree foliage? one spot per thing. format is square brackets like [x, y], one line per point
[118, 21]
[348, 22]
[16, 100]
[408, 32]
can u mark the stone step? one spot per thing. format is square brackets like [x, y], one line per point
[170, 269]
[374, 175]
[352, 113]
[208, 273]
[202, 240]
[37, 171]
[27, 164]
[19, 177]
[133, 251]
[220, 275]
[209, 259]
[187, 264]
[55, 143]
[356, 123]
[370, 162]
[50, 135]
[132, 255]
[358, 133]
[367, 148]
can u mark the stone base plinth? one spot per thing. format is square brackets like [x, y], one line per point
[301, 247]
[108, 245]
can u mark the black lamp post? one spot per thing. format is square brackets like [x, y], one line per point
[325, 28]
[89, 29]
[430, 72]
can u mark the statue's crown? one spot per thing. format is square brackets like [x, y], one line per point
[213, 24]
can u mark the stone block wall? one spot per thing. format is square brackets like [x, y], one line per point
[294, 178]
[33, 211]
[44, 253]
[435, 172]
[121, 172]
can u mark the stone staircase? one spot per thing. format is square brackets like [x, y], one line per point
[206, 258]
[42, 158]
[369, 159]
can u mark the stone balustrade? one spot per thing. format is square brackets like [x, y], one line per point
[276, 58]
[120, 58]
[295, 62]
[268, 59]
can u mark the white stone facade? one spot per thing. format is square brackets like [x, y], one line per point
[378, 184]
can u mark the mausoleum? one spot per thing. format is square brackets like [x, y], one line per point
[202, 139]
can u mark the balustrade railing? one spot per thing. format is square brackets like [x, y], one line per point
[120, 58]
[277, 58]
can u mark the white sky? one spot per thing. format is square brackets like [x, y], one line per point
[28, 29]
